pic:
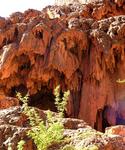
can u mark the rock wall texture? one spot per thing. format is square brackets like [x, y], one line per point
[79, 46]
[14, 126]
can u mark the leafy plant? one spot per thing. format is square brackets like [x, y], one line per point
[32, 114]
[20, 145]
[61, 102]
[51, 131]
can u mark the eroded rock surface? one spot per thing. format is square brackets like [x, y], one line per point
[14, 126]
[79, 46]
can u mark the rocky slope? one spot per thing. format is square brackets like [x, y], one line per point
[14, 126]
[79, 46]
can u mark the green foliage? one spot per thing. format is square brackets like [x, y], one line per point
[32, 114]
[20, 145]
[61, 102]
[51, 131]
[68, 147]
[43, 136]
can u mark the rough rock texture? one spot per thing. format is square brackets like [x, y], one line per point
[79, 46]
[14, 126]
[120, 130]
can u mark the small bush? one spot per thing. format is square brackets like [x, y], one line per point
[20, 145]
[44, 134]
[61, 102]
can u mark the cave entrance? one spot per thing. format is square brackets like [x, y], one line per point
[105, 117]
[43, 99]
[20, 88]
[108, 116]
[120, 118]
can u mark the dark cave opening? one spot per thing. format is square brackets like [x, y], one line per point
[103, 119]
[107, 117]
[43, 99]
[21, 89]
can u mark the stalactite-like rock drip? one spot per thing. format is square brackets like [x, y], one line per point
[79, 46]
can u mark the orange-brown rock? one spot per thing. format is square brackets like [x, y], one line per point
[6, 102]
[79, 46]
[116, 130]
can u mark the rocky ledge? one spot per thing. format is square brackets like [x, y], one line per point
[14, 126]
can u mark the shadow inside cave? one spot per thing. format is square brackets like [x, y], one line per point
[43, 99]
[108, 116]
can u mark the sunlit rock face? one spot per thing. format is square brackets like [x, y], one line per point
[80, 47]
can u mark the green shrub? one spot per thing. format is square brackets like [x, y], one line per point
[32, 114]
[51, 131]
[61, 102]
[20, 145]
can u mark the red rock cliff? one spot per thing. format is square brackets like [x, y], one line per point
[81, 47]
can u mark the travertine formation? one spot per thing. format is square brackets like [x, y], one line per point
[79, 46]
[14, 126]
